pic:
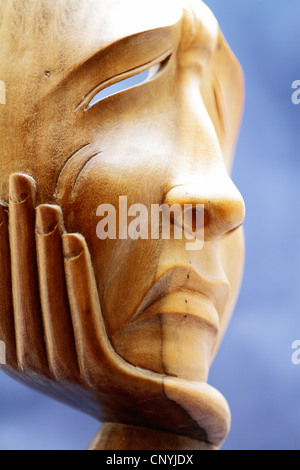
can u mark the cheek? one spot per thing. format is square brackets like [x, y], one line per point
[232, 250]
[117, 263]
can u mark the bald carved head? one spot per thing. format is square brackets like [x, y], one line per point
[169, 139]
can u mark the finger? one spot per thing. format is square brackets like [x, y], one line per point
[90, 336]
[8, 355]
[56, 315]
[31, 351]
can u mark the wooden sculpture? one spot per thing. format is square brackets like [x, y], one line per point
[124, 329]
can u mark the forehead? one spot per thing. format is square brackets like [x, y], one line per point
[79, 28]
[61, 36]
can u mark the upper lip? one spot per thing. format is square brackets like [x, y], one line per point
[186, 278]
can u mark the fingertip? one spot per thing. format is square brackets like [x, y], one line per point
[73, 245]
[48, 218]
[21, 187]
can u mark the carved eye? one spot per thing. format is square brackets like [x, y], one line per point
[116, 85]
[119, 86]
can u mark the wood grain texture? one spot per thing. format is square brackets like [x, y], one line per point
[122, 329]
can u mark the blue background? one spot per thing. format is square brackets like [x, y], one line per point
[253, 369]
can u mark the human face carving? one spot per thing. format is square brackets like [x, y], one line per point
[168, 140]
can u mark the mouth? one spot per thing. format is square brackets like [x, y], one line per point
[185, 303]
[188, 293]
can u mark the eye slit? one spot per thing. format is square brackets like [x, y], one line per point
[128, 83]
[118, 87]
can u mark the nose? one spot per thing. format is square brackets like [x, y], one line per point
[216, 197]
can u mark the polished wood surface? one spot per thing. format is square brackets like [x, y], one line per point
[124, 330]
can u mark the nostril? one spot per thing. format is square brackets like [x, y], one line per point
[210, 210]
[195, 219]
[213, 219]
[223, 218]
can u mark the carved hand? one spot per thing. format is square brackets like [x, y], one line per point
[48, 297]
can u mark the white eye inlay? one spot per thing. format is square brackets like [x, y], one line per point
[126, 84]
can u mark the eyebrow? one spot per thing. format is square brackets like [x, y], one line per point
[146, 44]
[163, 29]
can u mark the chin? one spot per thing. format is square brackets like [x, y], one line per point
[172, 344]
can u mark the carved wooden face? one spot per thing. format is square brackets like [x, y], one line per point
[169, 139]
